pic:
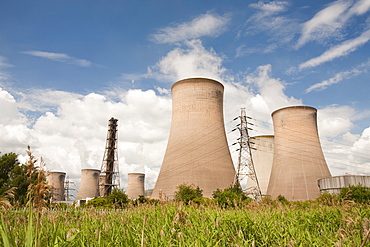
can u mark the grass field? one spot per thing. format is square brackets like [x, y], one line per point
[172, 224]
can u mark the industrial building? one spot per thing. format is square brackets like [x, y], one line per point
[298, 158]
[135, 185]
[197, 150]
[56, 180]
[262, 148]
[335, 184]
[89, 186]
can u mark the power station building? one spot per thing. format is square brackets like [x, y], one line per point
[298, 158]
[335, 184]
[135, 185]
[56, 180]
[197, 150]
[89, 186]
[262, 148]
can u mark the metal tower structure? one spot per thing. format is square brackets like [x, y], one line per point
[67, 189]
[109, 177]
[245, 160]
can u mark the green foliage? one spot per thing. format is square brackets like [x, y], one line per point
[118, 198]
[99, 202]
[186, 193]
[356, 193]
[230, 197]
[18, 179]
[328, 199]
[7, 162]
[282, 199]
[172, 225]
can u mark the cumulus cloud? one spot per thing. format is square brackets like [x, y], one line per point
[335, 120]
[330, 21]
[344, 75]
[340, 50]
[191, 61]
[205, 25]
[60, 57]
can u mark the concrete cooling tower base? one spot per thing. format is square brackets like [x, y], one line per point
[298, 158]
[197, 150]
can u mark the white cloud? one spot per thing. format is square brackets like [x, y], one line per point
[193, 61]
[204, 25]
[330, 21]
[268, 19]
[360, 69]
[335, 120]
[340, 50]
[60, 57]
[4, 63]
[270, 8]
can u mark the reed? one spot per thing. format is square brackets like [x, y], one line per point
[174, 224]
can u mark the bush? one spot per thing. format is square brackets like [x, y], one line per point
[118, 198]
[99, 202]
[328, 199]
[187, 193]
[230, 197]
[356, 193]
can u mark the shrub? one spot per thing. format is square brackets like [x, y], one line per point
[356, 193]
[118, 198]
[230, 197]
[186, 193]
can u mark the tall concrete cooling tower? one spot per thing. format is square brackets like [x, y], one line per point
[56, 180]
[298, 158]
[263, 155]
[197, 150]
[135, 185]
[89, 186]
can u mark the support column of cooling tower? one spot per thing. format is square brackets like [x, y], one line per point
[197, 150]
[245, 160]
[298, 158]
[109, 177]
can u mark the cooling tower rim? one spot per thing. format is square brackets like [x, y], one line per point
[268, 136]
[294, 107]
[347, 175]
[91, 169]
[196, 78]
[56, 171]
[136, 173]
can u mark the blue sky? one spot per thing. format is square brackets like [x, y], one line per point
[66, 67]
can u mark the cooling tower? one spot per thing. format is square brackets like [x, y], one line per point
[56, 180]
[262, 154]
[197, 150]
[298, 158]
[89, 186]
[135, 185]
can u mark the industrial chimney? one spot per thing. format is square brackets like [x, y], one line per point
[135, 185]
[89, 186]
[262, 153]
[197, 150]
[298, 158]
[56, 180]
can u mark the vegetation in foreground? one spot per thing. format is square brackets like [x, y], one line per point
[269, 223]
[229, 219]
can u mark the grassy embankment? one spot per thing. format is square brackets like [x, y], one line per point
[267, 224]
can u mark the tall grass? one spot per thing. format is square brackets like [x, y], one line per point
[305, 224]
